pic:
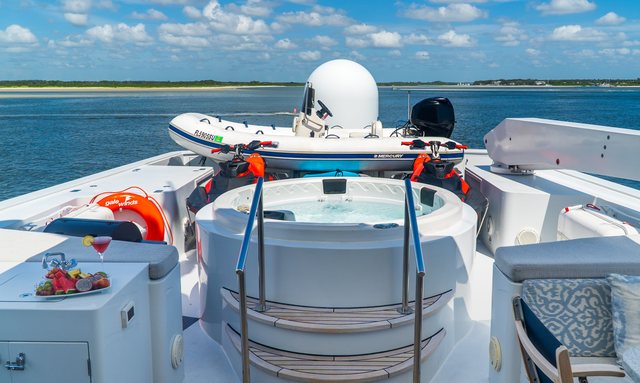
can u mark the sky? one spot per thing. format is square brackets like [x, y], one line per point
[284, 40]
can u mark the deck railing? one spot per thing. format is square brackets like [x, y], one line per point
[411, 230]
[256, 210]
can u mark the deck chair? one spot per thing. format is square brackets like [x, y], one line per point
[546, 360]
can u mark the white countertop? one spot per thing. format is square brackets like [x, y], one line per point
[24, 277]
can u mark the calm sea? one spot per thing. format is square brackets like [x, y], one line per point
[49, 138]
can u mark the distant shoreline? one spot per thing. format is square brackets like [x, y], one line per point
[13, 91]
[129, 88]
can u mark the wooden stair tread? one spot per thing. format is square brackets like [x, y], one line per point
[335, 320]
[323, 368]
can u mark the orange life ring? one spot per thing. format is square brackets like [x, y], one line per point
[143, 205]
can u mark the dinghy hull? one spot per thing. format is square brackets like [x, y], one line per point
[343, 149]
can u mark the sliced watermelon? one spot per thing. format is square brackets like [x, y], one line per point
[68, 285]
[57, 286]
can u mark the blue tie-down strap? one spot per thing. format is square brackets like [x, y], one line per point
[335, 173]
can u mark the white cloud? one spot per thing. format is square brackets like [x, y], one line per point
[285, 44]
[576, 33]
[385, 39]
[452, 39]
[192, 12]
[71, 42]
[360, 29]
[458, 1]
[276, 27]
[170, 2]
[257, 8]
[416, 39]
[357, 42]
[422, 55]
[314, 18]
[395, 53]
[564, 7]
[310, 55]
[611, 52]
[255, 43]
[78, 19]
[631, 43]
[324, 41]
[121, 32]
[76, 6]
[189, 29]
[450, 13]
[76, 11]
[611, 18]
[16, 34]
[533, 52]
[228, 22]
[357, 56]
[106, 4]
[586, 53]
[150, 14]
[510, 34]
[184, 41]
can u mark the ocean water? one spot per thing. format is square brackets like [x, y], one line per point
[52, 137]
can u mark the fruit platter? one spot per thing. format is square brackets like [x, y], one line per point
[59, 282]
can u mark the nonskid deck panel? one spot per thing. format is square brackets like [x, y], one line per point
[324, 368]
[336, 320]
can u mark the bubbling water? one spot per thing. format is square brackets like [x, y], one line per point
[346, 211]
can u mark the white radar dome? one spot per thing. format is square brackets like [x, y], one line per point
[348, 90]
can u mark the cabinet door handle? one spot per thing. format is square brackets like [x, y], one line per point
[19, 363]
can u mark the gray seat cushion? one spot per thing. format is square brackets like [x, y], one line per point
[576, 258]
[161, 258]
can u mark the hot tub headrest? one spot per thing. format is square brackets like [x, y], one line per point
[161, 258]
[577, 258]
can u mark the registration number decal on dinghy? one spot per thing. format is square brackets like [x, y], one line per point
[207, 136]
[388, 155]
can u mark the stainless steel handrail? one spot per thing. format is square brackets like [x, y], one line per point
[255, 210]
[411, 229]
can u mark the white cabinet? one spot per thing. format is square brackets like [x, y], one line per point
[46, 361]
[5, 376]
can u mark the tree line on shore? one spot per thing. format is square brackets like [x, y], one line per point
[214, 83]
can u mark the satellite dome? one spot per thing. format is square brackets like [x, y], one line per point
[348, 90]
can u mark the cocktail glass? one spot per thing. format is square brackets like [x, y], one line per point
[100, 245]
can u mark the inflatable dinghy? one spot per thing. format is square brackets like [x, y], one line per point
[336, 128]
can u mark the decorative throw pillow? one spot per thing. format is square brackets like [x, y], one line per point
[576, 311]
[625, 303]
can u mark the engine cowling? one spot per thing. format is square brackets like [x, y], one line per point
[434, 117]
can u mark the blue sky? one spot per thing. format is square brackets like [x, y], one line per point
[284, 40]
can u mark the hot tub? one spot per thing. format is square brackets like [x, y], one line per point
[336, 243]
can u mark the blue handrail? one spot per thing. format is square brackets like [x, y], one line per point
[242, 256]
[414, 228]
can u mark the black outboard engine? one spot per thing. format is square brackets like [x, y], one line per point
[434, 117]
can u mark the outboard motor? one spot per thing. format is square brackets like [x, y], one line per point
[434, 117]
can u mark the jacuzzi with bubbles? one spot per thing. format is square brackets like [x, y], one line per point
[336, 242]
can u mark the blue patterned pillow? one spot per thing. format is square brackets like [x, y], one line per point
[576, 311]
[625, 300]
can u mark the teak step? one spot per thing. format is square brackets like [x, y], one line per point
[322, 368]
[335, 320]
